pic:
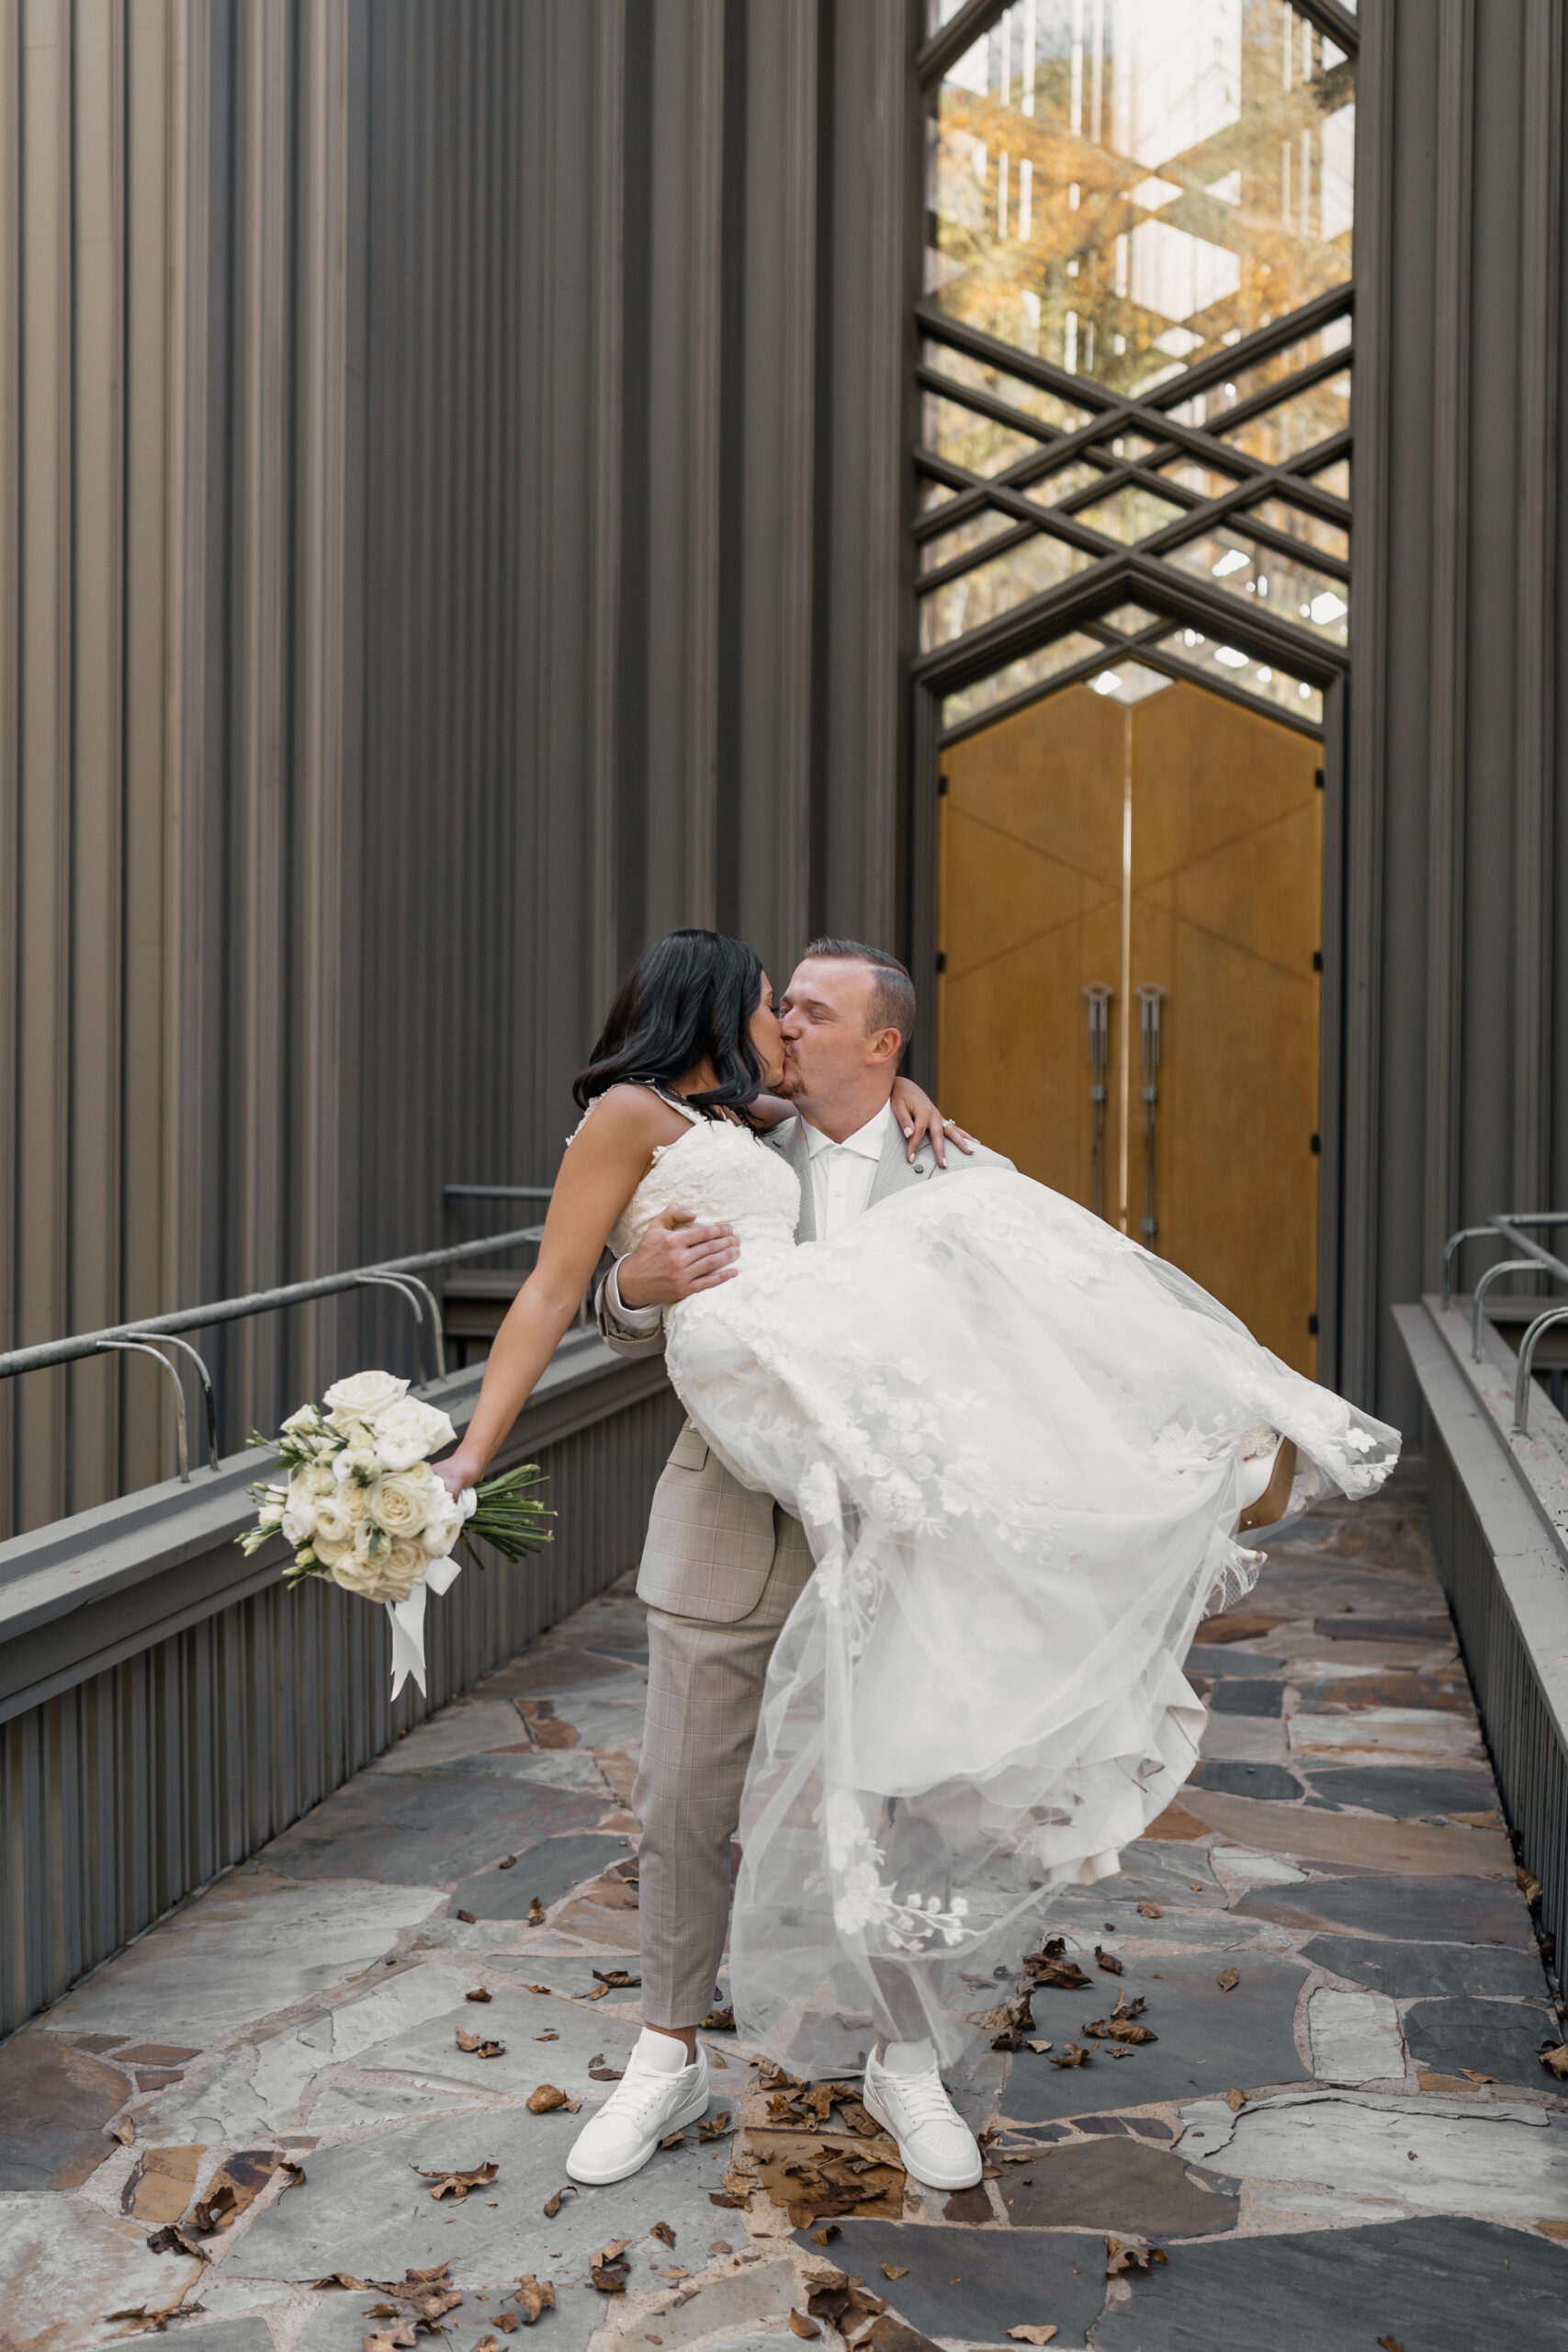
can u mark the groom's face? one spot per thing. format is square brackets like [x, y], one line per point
[830, 1050]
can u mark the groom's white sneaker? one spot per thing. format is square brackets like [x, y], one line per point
[658, 2093]
[907, 2100]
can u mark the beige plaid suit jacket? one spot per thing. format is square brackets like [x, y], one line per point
[711, 1543]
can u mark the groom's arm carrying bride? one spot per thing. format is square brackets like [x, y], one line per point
[722, 1566]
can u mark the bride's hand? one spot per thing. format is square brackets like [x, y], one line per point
[920, 1119]
[457, 1472]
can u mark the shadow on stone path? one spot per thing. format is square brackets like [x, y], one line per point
[1354, 2140]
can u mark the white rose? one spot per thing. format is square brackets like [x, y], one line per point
[334, 1525]
[361, 1461]
[362, 1393]
[410, 1431]
[354, 1502]
[399, 1503]
[315, 1481]
[391, 1578]
[326, 1551]
[442, 1526]
[299, 1517]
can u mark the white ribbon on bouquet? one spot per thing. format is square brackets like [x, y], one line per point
[408, 1620]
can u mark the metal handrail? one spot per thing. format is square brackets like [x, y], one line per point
[1492, 1273]
[1502, 1228]
[145, 1348]
[405, 1290]
[260, 1302]
[1526, 1355]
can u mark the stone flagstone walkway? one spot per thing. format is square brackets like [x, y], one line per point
[1342, 2135]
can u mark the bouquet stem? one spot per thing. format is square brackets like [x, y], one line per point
[507, 1515]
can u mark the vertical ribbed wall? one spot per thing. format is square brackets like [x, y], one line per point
[449, 484]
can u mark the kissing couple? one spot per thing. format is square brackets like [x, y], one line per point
[964, 1468]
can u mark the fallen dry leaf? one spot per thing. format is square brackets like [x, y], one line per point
[549, 2034]
[826, 2234]
[673, 2140]
[1108, 1961]
[1150, 1911]
[714, 2127]
[843, 2299]
[1127, 2255]
[1126, 2008]
[544, 2098]
[488, 2342]
[536, 1913]
[662, 2231]
[552, 2204]
[535, 2295]
[601, 2074]
[1195, 1886]
[1118, 2028]
[1228, 1979]
[478, 1994]
[617, 1977]
[1039, 2048]
[607, 2270]
[510, 1863]
[508, 2323]
[1236, 2101]
[477, 2046]
[456, 2184]
[175, 2238]
[466, 1918]
[538, 1988]
[1554, 2058]
[1071, 2056]
[597, 1993]
[388, 2339]
[800, 2325]
[1387, 2343]
[1530, 1887]
[340, 2279]
[1471, 2075]
[718, 2021]
[1032, 2334]
[124, 2131]
[895, 2270]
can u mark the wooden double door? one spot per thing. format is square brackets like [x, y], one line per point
[1165, 850]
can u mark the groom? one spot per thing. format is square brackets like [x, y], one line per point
[722, 1567]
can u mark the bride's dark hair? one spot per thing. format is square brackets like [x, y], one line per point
[688, 999]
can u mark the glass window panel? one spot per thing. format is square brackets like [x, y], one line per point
[1018, 677]
[1299, 423]
[1334, 478]
[1034, 400]
[1239, 669]
[938, 12]
[1128, 619]
[948, 546]
[1290, 589]
[1331, 537]
[1130, 682]
[1124, 189]
[971, 441]
[1205, 407]
[1204, 479]
[1129, 447]
[1076, 475]
[995, 587]
[1129, 514]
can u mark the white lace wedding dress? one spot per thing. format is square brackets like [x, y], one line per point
[1013, 1437]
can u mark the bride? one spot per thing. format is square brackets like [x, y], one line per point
[1020, 1446]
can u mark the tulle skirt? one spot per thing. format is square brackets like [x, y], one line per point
[1014, 1439]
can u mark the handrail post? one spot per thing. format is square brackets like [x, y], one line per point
[1452, 1248]
[1526, 1357]
[437, 1330]
[400, 1284]
[1493, 1273]
[144, 1348]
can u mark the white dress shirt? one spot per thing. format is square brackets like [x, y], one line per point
[842, 1179]
[842, 1173]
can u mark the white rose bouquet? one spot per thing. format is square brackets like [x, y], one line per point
[362, 1505]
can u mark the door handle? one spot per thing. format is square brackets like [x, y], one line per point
[1099, 1001]
[1149, 1003]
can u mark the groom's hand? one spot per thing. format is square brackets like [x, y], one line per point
[676, 1259]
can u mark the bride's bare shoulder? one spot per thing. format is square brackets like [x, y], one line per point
[626, 1120]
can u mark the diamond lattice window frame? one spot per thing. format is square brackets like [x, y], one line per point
[1110, 571]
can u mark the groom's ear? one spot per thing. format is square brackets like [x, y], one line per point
[885, 1046]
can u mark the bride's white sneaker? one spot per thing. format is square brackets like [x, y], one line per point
[935, 2143]
[653, 2097]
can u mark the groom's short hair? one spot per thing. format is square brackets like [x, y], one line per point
[892, 1002]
